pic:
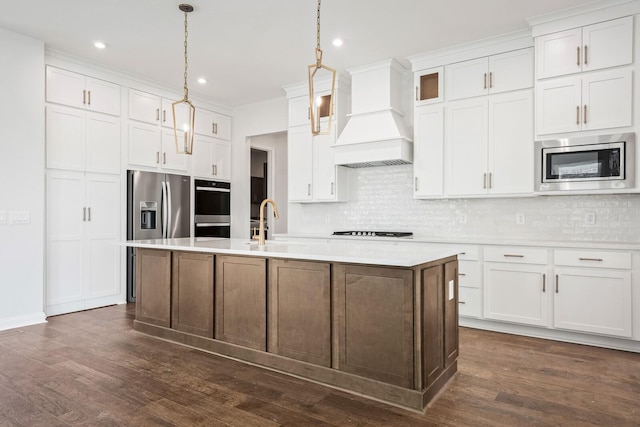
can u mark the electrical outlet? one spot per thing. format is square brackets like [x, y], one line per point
[520, 218]
[590, 218]
[3, 217]
[462, 218]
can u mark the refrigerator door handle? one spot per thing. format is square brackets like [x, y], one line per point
[169, 210]
[164, 210]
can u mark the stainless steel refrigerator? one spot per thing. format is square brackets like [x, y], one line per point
[158, 207]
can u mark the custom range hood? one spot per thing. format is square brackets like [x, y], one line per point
[376, 133]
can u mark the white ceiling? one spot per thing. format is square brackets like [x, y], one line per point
[249, 49]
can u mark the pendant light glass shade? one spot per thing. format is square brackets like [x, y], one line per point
[183, 110]
[321, 101]
[183, 121]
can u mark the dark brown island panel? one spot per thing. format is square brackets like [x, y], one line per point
[390, 333]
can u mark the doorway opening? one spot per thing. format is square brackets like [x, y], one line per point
[268, 179]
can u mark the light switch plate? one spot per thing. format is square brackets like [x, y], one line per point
[3, 217]
[19, 217]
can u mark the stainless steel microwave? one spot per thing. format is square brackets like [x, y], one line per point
[604, 162]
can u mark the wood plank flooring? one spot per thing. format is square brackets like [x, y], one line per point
[91, 369]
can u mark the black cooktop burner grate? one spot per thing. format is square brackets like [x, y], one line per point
[361, 233]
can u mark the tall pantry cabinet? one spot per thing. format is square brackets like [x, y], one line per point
[82, 192]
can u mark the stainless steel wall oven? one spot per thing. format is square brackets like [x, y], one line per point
[212, 208]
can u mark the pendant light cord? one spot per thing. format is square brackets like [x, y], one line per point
[186, 34]
[318, 50]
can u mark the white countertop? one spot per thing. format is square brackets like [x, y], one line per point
[346, 251]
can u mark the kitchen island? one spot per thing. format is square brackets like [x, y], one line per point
[377, 319]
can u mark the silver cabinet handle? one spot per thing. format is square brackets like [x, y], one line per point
[591, 259]
[490, 80]
[213, 171]
[215, 168]
[332, 188]
[164, 116]
[89, 213]
[484, 185]
[489, 180]
[308, 189]
[461, 274]
[461, 302]
[84, 214]
[89, 98]
[216, 128]
[164, 158]
[213, 128]
[157, 157]
[584, 115]
[157, 114]
[417, 95]
[557, 282]
[577, 114]
[416, 184]
[586, 60]
[84, 97]
[513, 256]
[544, 283]
[485, 80]
[578, 56]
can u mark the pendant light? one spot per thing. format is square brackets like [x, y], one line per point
[320, 102]
[183, 110]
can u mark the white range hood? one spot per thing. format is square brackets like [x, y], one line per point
[376, 133]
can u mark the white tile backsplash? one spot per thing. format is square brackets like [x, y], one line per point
[381, 198]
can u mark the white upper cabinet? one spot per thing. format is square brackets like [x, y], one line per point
[429, 86]
[494, 74]
[428, 151]
[489, 142]
[82, 140]
[299, 111]
[79, 91]
[146, 107]
[594, 47]
[211, 158]
[212, 124]
[591, 101]
[154, 147]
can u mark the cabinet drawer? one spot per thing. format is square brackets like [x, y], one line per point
[469, 253]
[469, 274]
[520, 255]
[469, 302]
[600, 259]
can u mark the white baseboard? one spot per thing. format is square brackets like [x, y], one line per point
[20, 321]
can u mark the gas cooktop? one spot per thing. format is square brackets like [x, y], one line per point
[406, 234]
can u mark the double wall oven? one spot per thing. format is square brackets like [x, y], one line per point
[212, 208]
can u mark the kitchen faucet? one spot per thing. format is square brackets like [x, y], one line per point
[260, 237]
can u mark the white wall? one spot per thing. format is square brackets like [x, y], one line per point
[381, 198]
[21, 179]
[250, 120]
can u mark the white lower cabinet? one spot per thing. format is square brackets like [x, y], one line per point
[211, 158]
[469, 284]
[83, 234]
[594, 292]
[515, 285]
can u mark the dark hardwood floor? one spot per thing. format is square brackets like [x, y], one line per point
[91, 369]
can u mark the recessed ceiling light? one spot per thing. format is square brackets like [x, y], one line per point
[202, 80]
[337, 42]
[100, 45]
